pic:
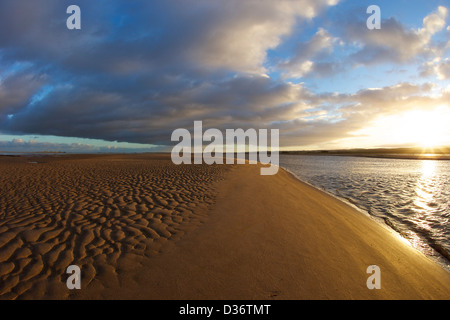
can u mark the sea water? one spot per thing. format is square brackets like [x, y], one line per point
[410, 196]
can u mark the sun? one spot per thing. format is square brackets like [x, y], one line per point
[423, 128]
[426, 129]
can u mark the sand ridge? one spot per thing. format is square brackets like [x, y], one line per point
[91, 211]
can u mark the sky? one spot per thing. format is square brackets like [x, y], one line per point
[138, 70]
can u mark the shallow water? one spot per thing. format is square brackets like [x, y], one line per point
[411, 196]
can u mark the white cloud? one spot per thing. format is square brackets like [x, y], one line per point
[434, 22]
[439, 68]
[395, 43]
[245, 30]
[444, 70]
[18, 141]
[353, 113]
[302, 63]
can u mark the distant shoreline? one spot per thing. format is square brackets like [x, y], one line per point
[442, 153]
[401, 153]
[380, 156]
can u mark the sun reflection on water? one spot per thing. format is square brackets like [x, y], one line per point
[428, 168]
[425, 191]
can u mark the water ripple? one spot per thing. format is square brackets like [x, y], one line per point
[411, 196]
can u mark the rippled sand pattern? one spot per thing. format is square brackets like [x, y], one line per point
[89, 211]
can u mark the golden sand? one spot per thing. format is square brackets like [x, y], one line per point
[142, 228]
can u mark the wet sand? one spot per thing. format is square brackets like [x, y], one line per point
[142, 228]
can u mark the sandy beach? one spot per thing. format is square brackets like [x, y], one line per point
[140, 227]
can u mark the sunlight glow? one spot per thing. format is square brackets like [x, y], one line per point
[420, 128]
[425, 128]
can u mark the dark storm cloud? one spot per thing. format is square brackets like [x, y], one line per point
[138, 70]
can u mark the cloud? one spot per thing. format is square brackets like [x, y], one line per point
[33, 146]
[394, 42]
[17, 89]
[444, 70]
[123, 38]
[437, 68]
[434, 22]
[137, 70]
[303, 62]
[326, 54]
[336, 117]
[133, 114]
